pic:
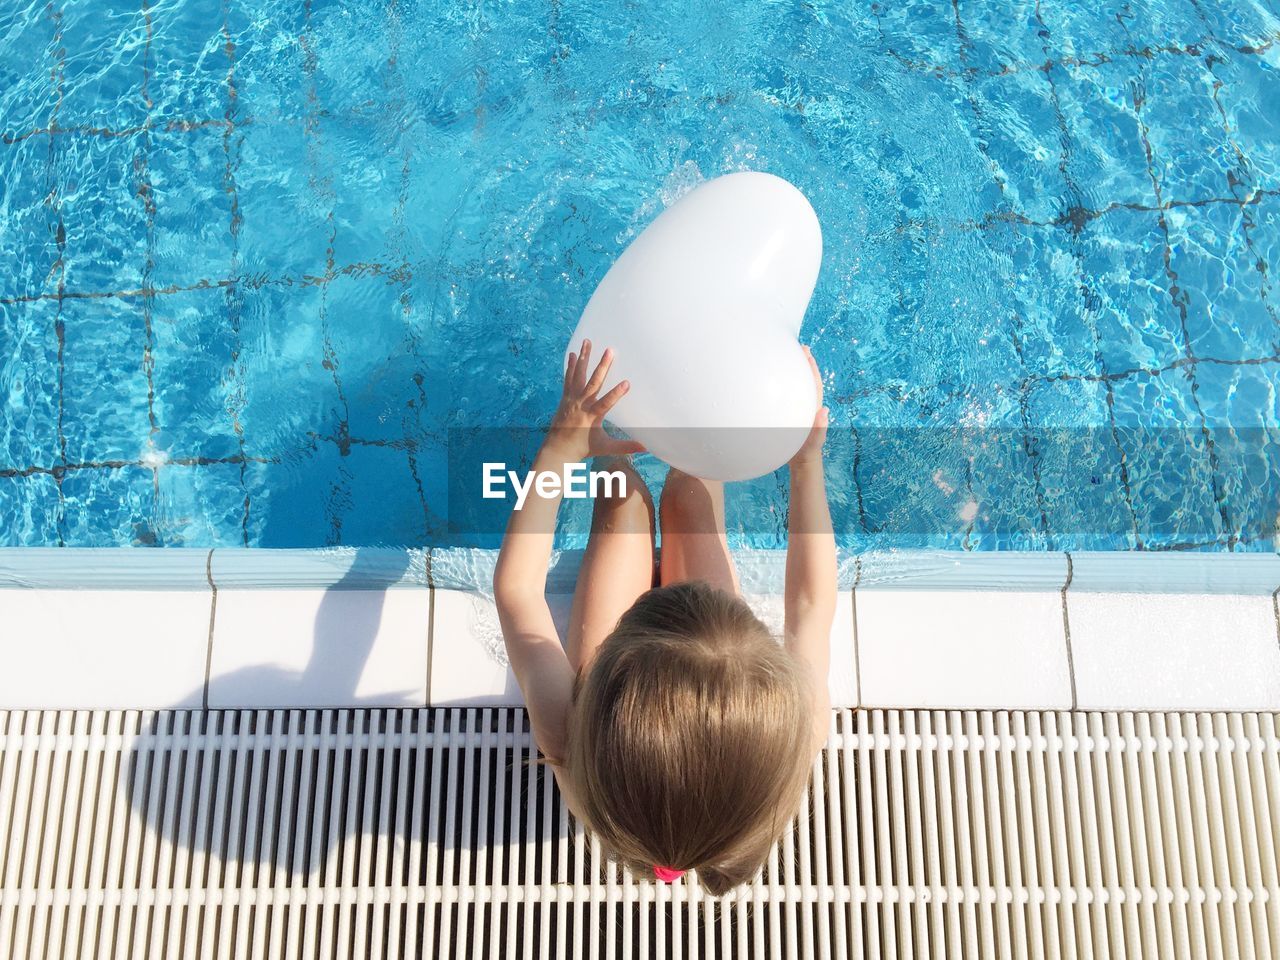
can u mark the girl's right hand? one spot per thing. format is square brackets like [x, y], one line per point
[577, 429]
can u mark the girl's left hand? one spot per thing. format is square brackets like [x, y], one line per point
[811, 449]
[577, 429]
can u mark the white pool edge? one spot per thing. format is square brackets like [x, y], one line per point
[130, 628]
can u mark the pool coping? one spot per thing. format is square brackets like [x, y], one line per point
[916, 629]
[464, 568]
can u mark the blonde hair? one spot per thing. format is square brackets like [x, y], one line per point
[688, 740]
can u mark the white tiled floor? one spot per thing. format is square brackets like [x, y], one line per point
[103, 649]
[315, 648]
[951, 648]
[1174, 651]
[468, 661]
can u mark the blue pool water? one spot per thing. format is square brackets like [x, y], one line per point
[261, 261]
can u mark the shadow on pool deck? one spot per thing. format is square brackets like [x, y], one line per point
[287, 789]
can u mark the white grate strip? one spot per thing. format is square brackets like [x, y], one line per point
[372, 833]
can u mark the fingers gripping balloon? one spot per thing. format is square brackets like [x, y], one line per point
[703, 312]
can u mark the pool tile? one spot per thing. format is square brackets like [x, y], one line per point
[111, 505]
[894, 338]
[1251, 84]
[469, 662]
[320, 648]
[285, 232]
[324, 492]
[383, 483]
[1224, 281]
[27, 89]
[270, 61]
[29, 342]
[1053, 308]
[1244, 24]
[1013, 119]
[1176, 572]
[309, 192]
[1122, 268]
[1009, 38]
[1160, 430]
[1240, 402]
[103, 67]
[104, 209]
[1106, 160]
[189, 59]
[367, 203]
[955, 467]
[308, 489]
[104, 380]
[1174, 651]
[1080, 465]
[103, 649]
[1244, 395]
[206, 505]
[1081, 33]
[194, 197]
[375, 348]
[962, 648]
[198, 384]
[115, 63]
[29, 228]
[922, 34]
[280, 329]
[29, 510]
[1192, 154]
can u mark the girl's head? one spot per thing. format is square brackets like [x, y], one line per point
[688, 741]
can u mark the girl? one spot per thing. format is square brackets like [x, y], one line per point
[679, 731]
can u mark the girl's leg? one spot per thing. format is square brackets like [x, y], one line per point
[694, 545]
[617, 566]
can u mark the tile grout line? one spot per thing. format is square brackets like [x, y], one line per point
[431, 637]
[1088, 296]
[109, 133]
[1193, 49]
[431, 620]
[1247, 224]
[359, 270]
[145, 191]
[61, 469]
[1178, 299]
[399, 245]
[232, 295]
[1066, 630]
[1148, 53]
[857, 651]
[320, 183]
[1030, 447]
[397, 272]
[54, 201]
[213, 613]
[857, 666]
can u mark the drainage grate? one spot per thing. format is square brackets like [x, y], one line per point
[404, 833]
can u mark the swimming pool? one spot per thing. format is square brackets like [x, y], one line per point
[266, 267]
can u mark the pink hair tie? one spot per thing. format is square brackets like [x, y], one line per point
[666, 874]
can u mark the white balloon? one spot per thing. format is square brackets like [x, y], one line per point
[703, 312]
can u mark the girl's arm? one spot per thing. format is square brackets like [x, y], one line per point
[520, 578]
[811, 565]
